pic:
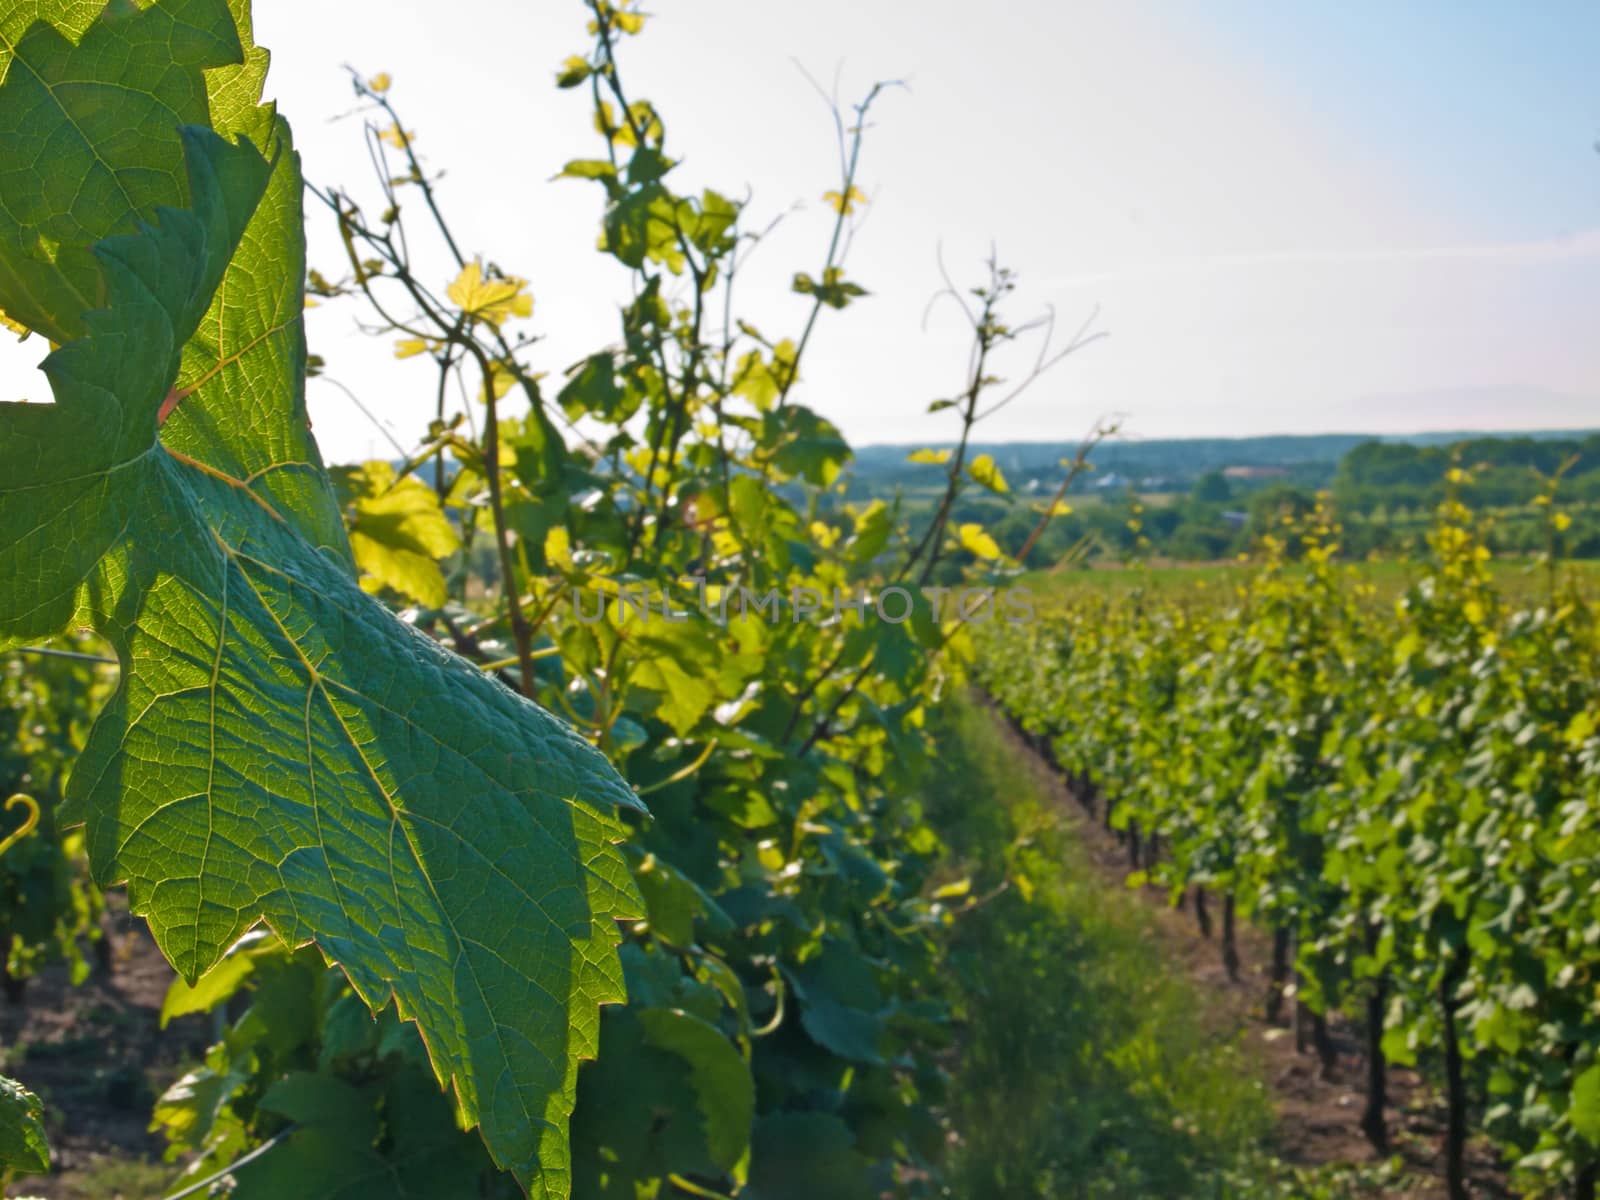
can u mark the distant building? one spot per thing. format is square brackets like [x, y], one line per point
[1235, 519]
[1247, 473]
[1113, 480]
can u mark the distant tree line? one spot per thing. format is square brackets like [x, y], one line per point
[1384, 494]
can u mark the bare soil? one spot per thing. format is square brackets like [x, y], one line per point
[97, 1057]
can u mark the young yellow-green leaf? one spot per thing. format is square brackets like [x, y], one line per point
[930, 457]
[575, 69]
[400, 139]
[22, 1141]
[872, 530]
[216, 986]
[1580, 729]
[972, 537]
[985, 472]
[398, 532]
[558, 548]
[845, 202]
[760, 380]
[1585, 1111]
[588, 168]
[835, 290]
[493, 300]
[281, 748]
[625, 20]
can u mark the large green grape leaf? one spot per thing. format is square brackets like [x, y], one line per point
[22, 1142]
[243, 374]
[89, 115]
[281, 748]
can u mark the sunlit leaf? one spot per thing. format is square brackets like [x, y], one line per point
[845, 203]
[22, 1141]
[492, 299]
[398, 532]
[399, 138]
[972, 537]
[1585, 1111]
[984, 470]
[574, 71]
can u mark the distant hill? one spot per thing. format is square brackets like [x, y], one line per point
[1170, 464]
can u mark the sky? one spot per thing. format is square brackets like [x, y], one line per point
[1359, 217]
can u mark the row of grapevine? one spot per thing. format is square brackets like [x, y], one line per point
[1406, 794]
[47, 902]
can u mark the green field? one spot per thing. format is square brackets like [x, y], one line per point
[1521, 579]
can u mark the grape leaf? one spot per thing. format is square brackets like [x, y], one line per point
[1585, 1111]
[724, 1091]
[333, 1153]
[636, 1119]
[22, 1141]
[839, 1003]
[987, 472]
[799, 1155]
[493, 300]
[281, 748]
[94, 104]
[246, 364]
[398, 531]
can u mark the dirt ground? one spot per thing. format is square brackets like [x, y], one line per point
[1318, 1118]
[97, 1057]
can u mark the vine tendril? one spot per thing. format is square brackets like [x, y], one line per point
[29, 823]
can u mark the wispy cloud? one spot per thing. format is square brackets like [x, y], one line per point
[1580, 245]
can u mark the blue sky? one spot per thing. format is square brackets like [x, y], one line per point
[1292, 217]
[1499, 97]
